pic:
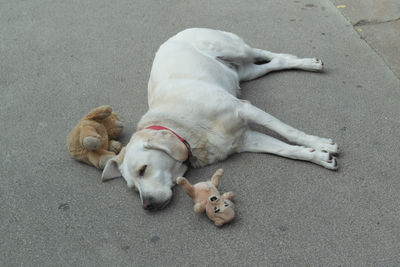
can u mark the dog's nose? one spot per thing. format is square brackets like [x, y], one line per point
[149, 204]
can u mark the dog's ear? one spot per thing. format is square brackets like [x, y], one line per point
[166, 141]
[111, 170]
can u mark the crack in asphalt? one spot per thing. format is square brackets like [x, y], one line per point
[364, 22]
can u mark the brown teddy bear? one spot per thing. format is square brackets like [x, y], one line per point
[92, 140]
[207, 198]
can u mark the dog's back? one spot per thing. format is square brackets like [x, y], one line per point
[193, 55]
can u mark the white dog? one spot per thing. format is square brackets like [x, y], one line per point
[194, 114]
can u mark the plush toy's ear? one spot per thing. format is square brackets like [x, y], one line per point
[111, 170]
[166, 141]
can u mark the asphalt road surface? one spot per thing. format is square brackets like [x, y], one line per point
[59, 59]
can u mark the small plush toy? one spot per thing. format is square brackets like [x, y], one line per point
[207, 198]
[92, 140]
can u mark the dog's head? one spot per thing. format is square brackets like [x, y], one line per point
[150, 163]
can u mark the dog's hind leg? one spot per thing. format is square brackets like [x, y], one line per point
[258, 116]
[275, 62]
[251, 63]
[257, 142]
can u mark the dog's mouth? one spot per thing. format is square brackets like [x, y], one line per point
[150, 204]
[157, 199]
[156, 207]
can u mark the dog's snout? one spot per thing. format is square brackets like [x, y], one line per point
[148, 203]
[151, 204]
[148, 206]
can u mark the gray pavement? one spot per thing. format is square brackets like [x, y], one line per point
[58, 59]
[378, 23]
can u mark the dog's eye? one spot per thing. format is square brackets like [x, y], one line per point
[142, 170]
[226, 204]
[216, 210]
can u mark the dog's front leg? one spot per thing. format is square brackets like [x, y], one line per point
[258, 116]
[257, 142]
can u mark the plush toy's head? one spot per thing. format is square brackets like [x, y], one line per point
[220, 210]
[205, 195]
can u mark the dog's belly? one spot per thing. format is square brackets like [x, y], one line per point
[215, 146]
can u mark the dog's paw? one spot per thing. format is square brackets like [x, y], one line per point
[327, 145]
[319, 143]
[330, 164]
[324, 158]
[312, 64]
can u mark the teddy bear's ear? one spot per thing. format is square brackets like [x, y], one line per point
[111, 170]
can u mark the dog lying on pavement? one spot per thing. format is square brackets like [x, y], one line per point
[195, 116]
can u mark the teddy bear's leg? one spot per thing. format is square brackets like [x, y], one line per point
[217, 177]
[114, 146]
[89, 138]
[228, 195]
[188, 187]
[99, 158]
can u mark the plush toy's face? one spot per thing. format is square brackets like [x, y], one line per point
[220, 210]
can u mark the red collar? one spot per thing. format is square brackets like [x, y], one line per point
[158, 127]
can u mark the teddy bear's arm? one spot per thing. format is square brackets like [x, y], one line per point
[187, 186]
